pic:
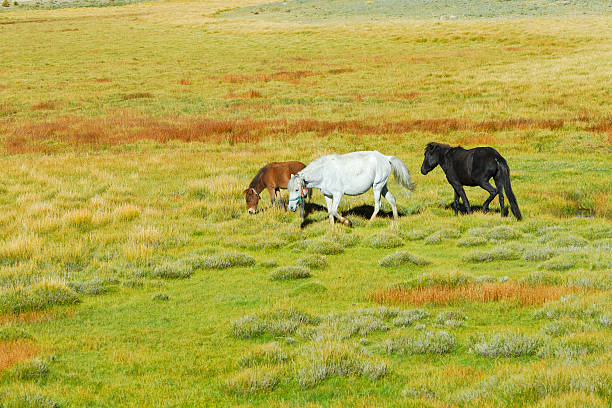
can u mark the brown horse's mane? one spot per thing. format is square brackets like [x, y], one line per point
[257, 179]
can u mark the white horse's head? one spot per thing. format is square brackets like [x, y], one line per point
[297, 192]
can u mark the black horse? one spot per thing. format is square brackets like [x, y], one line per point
[473, 167]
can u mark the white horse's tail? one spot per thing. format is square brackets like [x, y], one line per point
[400, 171]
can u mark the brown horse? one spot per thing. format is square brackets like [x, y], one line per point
[272, 176]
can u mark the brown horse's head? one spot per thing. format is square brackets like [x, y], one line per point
[252, 199]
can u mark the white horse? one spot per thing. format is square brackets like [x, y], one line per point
[350, 174]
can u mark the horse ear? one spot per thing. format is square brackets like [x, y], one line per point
[246, 191]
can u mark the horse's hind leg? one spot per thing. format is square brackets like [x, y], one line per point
[391, 200]
[500, 188]
[279, 199]
[377, 192]
[492, 191]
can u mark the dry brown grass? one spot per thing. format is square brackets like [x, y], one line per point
[35, 317]
[102, 80]
[287, 76]
[243, 95]
[525, 295]
[44, 105]
[184, 81]
[124, 127]
[13, 352]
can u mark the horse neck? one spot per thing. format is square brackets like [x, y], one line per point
[257, 183]
[312, 174]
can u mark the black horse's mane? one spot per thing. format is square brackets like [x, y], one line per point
[257, 177]
[433, 146]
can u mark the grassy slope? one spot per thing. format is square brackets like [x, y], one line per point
[111, 210]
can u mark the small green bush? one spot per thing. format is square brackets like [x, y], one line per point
[227, 260]
[313, 262]
[269, 264]
[413, 235]
[328, 357]
[471, 241]
[506, 345]
[265, 354]
[384, 240]
[30, 370]
[321, 246]
[402, 258]
[160, 297]
[91, 287]
[451, 318]
[538, 254]
[289, 273]
[276, 323]
[541, 278]
[408, 317]
[558, 328]
[429, 342]
[558, 264]
[174, 270]
[39, 296]
[440, 235]
[497, 254]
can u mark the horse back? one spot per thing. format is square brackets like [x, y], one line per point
[475, 165]
[278, 174]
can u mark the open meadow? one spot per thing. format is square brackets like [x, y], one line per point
[131, 274]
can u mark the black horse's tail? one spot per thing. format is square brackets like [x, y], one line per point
[505, 177]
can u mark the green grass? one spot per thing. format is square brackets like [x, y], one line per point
[131, 274]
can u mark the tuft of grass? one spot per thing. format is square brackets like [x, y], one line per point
[277, 323]
[505, 345]
[290, 273]
[328, 357]
[323, 246]
[413, 235]
[227, 260]
[39, 296]
[32, 400]
[126, 212]
[558, 264]
[20, 248]
[408, 317]
[252, 380]
[442, 235]
[11, 333]
[264, 354]
[499, 233]
[30, 370]
[313, 262]
[90, 287]
[471, 241]
[402, 258]
[439, 342]
[269, 264]
[172, 270]
[160, 297]
[497, 254]
[360, 321]
[451, 318]
[539, 254]
[384, 240]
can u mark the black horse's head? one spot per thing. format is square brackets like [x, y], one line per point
[433, 156]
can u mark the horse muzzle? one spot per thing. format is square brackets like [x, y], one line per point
[252, 211]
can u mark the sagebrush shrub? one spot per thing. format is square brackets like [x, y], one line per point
[384, 240]
[506, 345]
[402, 258]
[439, 342]
[289, 273]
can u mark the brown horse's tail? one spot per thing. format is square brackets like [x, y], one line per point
[505, 177]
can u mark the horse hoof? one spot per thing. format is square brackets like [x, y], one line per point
[348, 222]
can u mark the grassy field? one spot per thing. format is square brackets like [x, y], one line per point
[131, 274]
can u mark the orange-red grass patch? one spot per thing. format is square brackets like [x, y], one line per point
[31, 317]
[184, 81]
[44, 106]
[243, 95]
[13, 352]
[102, 80]
[525, 295]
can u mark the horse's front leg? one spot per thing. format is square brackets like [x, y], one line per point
[272, 193]
[456, 203]
[329, 202]
[335, 203]
[461, 193]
